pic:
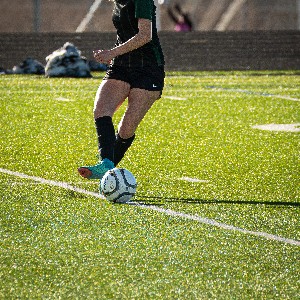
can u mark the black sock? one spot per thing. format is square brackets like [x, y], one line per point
[121, 146]
[106, 137]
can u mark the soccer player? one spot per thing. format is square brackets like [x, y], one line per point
[136, 72]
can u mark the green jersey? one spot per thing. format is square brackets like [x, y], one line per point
[125, 18]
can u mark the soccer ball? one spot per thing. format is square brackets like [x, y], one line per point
[118, 185]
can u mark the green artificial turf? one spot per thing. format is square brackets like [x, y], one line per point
[195, 153]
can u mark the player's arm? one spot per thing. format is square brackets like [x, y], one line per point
[143, 37]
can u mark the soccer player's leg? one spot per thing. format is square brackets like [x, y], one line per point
[139, 102]
[110, 95]
[121, 146]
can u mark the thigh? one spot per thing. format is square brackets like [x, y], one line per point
[139, 102]
[110, 95]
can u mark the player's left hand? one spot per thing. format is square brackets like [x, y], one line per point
[103, 56]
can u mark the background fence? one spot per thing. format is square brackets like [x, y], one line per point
[256, 34]
[207, 15]
[211, 50]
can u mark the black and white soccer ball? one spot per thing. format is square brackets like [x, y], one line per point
[118, 185]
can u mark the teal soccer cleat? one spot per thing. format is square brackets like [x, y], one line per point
[97, 171]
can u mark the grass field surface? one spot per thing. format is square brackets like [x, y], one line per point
[216, 214]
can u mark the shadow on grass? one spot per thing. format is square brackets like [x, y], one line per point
[156, 200]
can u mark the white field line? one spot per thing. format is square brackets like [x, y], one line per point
[189, 179]
[222, 225]
[279, 127]
[175, 98]
[63, 99]
[218, 88]
[169, 212]
[63, 185]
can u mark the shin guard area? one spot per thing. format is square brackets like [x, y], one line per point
[121, 146]
[106, 137]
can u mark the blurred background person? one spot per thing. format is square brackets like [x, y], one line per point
[182, 20]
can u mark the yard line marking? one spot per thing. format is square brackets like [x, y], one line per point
[221, 225]
[279, 127]
[219, 88]
[175, 98]
[60, 184]
[63, 99]
[169, 212]
[189, 179]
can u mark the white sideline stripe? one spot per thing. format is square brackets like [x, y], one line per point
[218, 88]
[189, 179]
[63, 185]
[63, 99]
[222, 225]
[158, 209]
[175, 98]
[279, 127]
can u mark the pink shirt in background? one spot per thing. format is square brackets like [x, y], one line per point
[182, 27]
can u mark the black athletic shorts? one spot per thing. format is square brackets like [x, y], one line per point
[149, 78]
